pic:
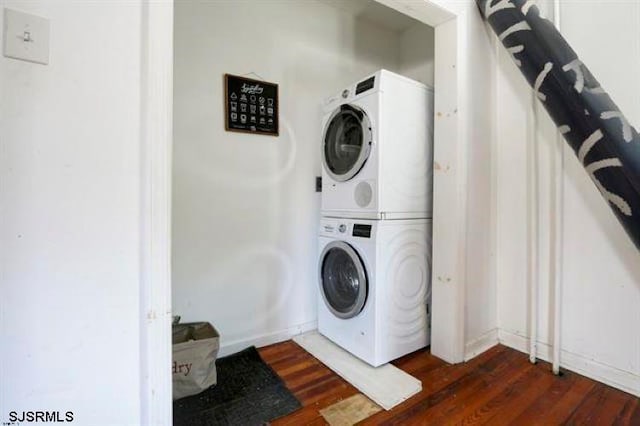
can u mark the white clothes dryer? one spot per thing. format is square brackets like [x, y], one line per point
[375, 286]
[377, 149]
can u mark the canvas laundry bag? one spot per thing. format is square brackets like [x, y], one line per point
[195, 348]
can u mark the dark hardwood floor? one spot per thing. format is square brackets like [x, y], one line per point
[498, 387]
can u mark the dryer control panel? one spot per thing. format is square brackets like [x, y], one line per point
[350, 94]
[365, 85]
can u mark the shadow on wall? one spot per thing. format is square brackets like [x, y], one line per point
[418, 38]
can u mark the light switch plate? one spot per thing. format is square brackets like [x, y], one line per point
[26, 37]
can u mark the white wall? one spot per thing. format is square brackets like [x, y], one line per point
[474, 160]
[417, 53]
[601, 267]
[479, 97]
[69, 217]
[244, 208]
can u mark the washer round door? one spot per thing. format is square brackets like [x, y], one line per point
[343, 280]
[347, 142]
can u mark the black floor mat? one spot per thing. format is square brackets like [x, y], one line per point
[248, 392]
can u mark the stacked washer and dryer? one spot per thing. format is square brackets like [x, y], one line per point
[375, 231]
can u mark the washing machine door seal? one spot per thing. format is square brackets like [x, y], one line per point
[343, 280]
[347, 142]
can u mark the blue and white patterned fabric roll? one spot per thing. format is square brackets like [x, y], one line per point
[602, 138]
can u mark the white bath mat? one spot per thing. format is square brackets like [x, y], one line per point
[387, 385]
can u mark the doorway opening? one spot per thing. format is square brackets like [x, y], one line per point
[245, 212]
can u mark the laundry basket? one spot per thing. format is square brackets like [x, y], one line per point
[195, 348]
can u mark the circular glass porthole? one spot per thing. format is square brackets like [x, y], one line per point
[343, 280]
[347, 142]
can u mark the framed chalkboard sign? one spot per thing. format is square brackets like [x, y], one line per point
[251, 106]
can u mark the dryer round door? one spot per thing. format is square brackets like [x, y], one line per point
[343, 280]
[346, 143]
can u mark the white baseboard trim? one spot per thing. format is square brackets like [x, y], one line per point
[265, 338]
[480, 344]
[612, 376]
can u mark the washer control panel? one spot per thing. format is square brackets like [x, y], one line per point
[361, 230]
[347, 228]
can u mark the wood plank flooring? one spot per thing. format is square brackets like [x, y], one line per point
[499, 387]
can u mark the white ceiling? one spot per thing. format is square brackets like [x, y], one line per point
[374, 12]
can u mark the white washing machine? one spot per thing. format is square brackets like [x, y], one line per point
[377, 149]
[375, 286]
